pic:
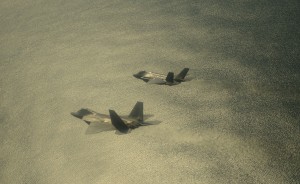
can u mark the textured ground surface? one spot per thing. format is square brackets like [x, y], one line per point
[236, 122]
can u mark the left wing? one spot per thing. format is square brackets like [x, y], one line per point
[96, 127]
[95, 122]
[156, 81]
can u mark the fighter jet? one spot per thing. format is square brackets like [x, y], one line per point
[101, 122]
[156, 78]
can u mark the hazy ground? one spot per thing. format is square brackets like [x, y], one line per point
[236, 122]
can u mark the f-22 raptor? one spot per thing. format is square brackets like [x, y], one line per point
[156, 78]
[101, 122]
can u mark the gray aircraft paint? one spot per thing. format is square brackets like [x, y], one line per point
[104, 122]
[161, 79]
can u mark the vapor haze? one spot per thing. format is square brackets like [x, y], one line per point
[237, 121]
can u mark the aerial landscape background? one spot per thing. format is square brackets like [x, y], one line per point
[237, 121]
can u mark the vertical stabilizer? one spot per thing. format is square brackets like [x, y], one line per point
[170, 77]
[137, 111]
[182, 74]
[117, 122]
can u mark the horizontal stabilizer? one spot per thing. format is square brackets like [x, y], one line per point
[154, 122]
[117, 122]
[147, 116]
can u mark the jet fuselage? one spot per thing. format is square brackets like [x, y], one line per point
[161, 79]
[89, 116]
[146, 76]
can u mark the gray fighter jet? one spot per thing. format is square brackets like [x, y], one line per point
[156, 78]
[101, 122]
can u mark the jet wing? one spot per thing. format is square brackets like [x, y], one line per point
[90, 118]
[96, 127]
[156, 81]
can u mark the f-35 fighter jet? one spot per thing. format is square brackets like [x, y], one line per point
[156, 78]
[101, 122]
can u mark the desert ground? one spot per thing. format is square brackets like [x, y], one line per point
[237, 121]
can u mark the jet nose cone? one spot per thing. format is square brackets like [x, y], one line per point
[139, 74]
[76, 115]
